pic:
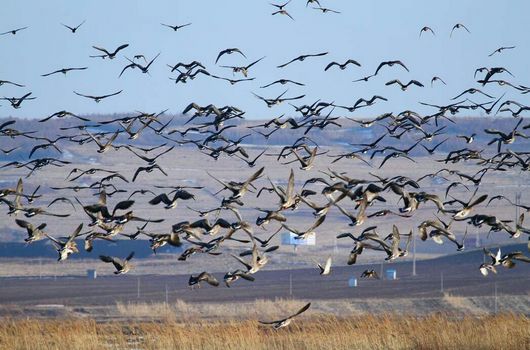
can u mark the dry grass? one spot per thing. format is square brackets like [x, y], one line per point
[506, 331]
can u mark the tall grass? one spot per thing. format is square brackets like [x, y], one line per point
[505, 331]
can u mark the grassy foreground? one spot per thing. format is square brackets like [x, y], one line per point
[506, 331]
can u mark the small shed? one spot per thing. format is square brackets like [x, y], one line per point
[391, 274]
[91, 274]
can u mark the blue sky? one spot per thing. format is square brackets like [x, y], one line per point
[367, 31]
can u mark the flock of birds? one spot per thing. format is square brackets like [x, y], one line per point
[209, 136]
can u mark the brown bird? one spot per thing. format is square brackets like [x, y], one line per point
[286, 321]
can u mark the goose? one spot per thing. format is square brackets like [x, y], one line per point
[176, 27]
[302, 58]
[232, 81]
[404, 86]
[390, 64]
[229, 52]
[65, 249]
[231, 277]
[309, 231]
[13, 31]
[458, 26]
[325, 9]
[342, 66]
[171, 203]
[64, 71]
[34, 233]
[17, 101]
[203, 277]
[485, 268]
[239, 191]
[257, 263]
[2, 82]
[507, 260]
[326, 268]
[286, 321]
[436, 78]
[501, 49]
[187, 66]
[270, 215]
[427, 29]
[282, 11]
[98, 99]
[288, 199]
[370, 274]
[468, 206]
[108, 54]
[122, 266]
[73, 29]
[243, 70]
[143, 69]
[282, 82]
[278, 100]
[103, 147]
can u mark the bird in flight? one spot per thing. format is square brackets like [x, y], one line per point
[63, 70]
[458, 26]
[286, 321]
[427, 29]
[229, 52]
[302, 58]
[13, 31]
[501, 49]
[97, 99]
[108, 54]
[74, 29]
[176, 27]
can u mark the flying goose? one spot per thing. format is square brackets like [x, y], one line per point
[122, 266]
[458, 26]
[64, 71]
[427, 29]
[282, 82]
[501, 49]
[369, 274]
[343, 65]
[229, 51]
[171, 203]
[244, 69]
[309, 231]
[404, 86]
[73, 29]
[108, 54]
[231, 277]
[286, 321]
[13, 31]
[302, 58]
[97, 99]
[203, 277]
[65, 249]
[390, 64]
[326, 268]
[34, 233]
[175, 27]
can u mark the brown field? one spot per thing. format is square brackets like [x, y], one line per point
[505, 331]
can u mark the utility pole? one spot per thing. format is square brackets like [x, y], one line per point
[290, 284]
[414, 255]
[441, 282]
[138, 288]
[495, 298]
